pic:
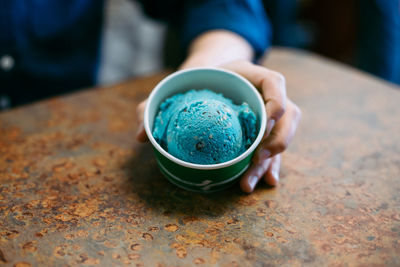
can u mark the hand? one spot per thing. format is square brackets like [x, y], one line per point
[283, 119]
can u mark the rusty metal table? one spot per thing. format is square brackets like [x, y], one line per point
[76, 189]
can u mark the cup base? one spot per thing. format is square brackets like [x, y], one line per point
[206, 186]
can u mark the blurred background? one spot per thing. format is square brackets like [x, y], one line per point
[49, 47]
[361, 33]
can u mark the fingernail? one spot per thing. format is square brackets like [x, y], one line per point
[263, 154]
[275, 173]
[252, 182]
[270, 125]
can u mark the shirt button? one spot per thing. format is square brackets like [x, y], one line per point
[7, 62]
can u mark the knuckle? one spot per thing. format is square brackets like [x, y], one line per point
[296, 111]
[281, 145]
[278, 77]
[278, 108]
[281, 109]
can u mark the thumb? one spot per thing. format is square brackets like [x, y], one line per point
[141, 135]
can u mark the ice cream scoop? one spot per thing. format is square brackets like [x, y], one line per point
[203, 127]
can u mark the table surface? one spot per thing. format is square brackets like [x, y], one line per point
[76, 189]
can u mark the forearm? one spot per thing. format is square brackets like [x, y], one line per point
[217, 47]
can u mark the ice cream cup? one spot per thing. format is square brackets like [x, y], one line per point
[197, 177]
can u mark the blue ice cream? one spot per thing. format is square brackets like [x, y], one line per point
[203, 127]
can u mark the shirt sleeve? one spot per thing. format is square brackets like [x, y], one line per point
[247, 18]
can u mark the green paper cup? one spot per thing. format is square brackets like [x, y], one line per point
[197, 177]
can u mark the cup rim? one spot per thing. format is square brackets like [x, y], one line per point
[183, 163]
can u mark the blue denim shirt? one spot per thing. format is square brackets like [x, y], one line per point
[53, 46]
[50, 47]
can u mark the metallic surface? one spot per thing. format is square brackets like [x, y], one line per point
[76, 189]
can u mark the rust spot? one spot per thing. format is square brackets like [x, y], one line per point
[82, 233]
[190, 219]
[83, 257]
[2, 257]
[219, 224]
[59, 251]
[61, 226]
[175, 245]
[100, 162]
[270, 204]
[132, 256]
[29, 214]
[30, 246]
[32, 204]
[63, 166]
[326, 248]
[171, 227]
[199, 261]
[11, 234]
[181, 252]
[69, 236]
[63, 217]
[116, 256]
[247, 201]
[110, 244]
[16, 209]
[84, 209]
[22, 264]
[281, 239]
[107, 179]
[153, 229]
[341, 241]
[136, 247]
[235, 264]
[213, 231]
[147, 236]
[232, 221]
[261, 212]
[268, 234]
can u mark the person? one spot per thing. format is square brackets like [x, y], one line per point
[51, 47]
[233, 33]
[47, 48]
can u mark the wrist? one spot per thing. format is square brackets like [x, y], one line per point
[197, 60]
[217, 47]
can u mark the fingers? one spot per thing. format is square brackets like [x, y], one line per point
[251, 177]
[266, 161]
[283, 132]
[271, 177]
[271, 83]
[283, 119]
[267, 168]
[141, 133]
